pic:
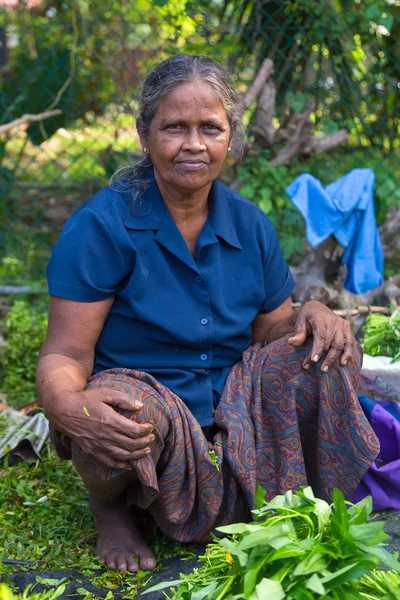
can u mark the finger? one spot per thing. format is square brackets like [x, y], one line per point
[113, 460]
[125, 458]
[319, 341]
[122, 400]
[300, 332]
[136, 444]
[131, 429]
[349, 348]
[335, 351]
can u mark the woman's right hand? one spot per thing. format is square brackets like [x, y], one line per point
[89, 419]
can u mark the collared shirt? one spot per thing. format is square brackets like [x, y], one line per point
[185, 320]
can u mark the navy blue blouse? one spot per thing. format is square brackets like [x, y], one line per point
[185, 320]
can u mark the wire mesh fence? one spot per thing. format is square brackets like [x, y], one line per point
[81, 63]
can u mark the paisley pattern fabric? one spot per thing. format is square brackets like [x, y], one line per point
[277, 425]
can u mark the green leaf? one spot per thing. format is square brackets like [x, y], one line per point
[291, 550]
[204, 593]
[268, 589]
[260, 496]
[251, 574]
[369, 533]
[160, 586]
[315, 562]
[373, 12]
[241, 528]
[263, 535]
[359, 513]
[315, 585]
[348, 573]
[49, 581]
[383, 555]
[340, 518]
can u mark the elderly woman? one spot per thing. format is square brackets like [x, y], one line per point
[175, 373]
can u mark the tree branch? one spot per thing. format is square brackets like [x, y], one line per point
[264, 72]
[28, 119]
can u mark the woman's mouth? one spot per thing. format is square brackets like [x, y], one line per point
[191, 165]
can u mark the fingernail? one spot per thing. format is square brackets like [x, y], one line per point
[152, 438]
[315, 358]
[325, 368]
[307, 366]
[139, 404]
[147, 451]
[344, 362]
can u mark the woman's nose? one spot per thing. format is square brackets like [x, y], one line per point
[194, 142]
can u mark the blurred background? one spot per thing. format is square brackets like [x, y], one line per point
[331, 89]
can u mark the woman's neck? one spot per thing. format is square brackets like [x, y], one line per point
[184, 207]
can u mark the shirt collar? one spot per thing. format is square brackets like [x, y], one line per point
[150, 212]
[221, 217]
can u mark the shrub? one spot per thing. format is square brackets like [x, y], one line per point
[25, 332]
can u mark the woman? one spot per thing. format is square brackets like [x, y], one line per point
[163, 288]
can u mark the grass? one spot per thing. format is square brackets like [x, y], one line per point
[45, 517]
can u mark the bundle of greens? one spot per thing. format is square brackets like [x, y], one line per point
[298, 548]
[382, 335]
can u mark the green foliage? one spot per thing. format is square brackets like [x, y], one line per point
[6, 593]
[60, 532]
[25, 333]
[382, 335]
[342, 54]
[299, 548]
[265, 185]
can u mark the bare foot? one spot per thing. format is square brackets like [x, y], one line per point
[119, 542]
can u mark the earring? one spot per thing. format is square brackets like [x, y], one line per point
[229, 148]
[145, 150]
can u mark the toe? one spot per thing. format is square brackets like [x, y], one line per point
[121, 562]
[147, 561]
[133, 567]
[109, 559]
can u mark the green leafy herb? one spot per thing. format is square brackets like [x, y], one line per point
[382, 335]
[298, 548]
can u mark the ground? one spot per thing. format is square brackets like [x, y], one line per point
[47, 537]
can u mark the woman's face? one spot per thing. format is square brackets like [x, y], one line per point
[189, 137]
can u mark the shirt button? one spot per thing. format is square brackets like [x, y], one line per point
[204, 321]
[198, 279]
[203, 357]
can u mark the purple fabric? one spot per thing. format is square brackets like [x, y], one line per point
[382, 480]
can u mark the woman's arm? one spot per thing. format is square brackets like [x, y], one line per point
[269, 327]
[66, 358]
[64, 366]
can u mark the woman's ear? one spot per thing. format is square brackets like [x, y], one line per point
[233, 129]
[143, 138]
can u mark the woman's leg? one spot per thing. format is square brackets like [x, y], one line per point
[287, 427]
[318, 431]
[119, 543]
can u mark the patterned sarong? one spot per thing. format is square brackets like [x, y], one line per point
[277, 425]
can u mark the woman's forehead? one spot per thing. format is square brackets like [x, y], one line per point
[196, 97]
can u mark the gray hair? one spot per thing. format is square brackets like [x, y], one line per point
[161, 80]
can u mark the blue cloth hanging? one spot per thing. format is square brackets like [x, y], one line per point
[344, 208]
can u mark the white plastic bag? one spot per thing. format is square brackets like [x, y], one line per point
[380, 378]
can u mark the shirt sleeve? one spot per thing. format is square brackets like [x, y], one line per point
[86, 264]
[278, 280]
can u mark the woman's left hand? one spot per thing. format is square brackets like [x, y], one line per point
[331, 334]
